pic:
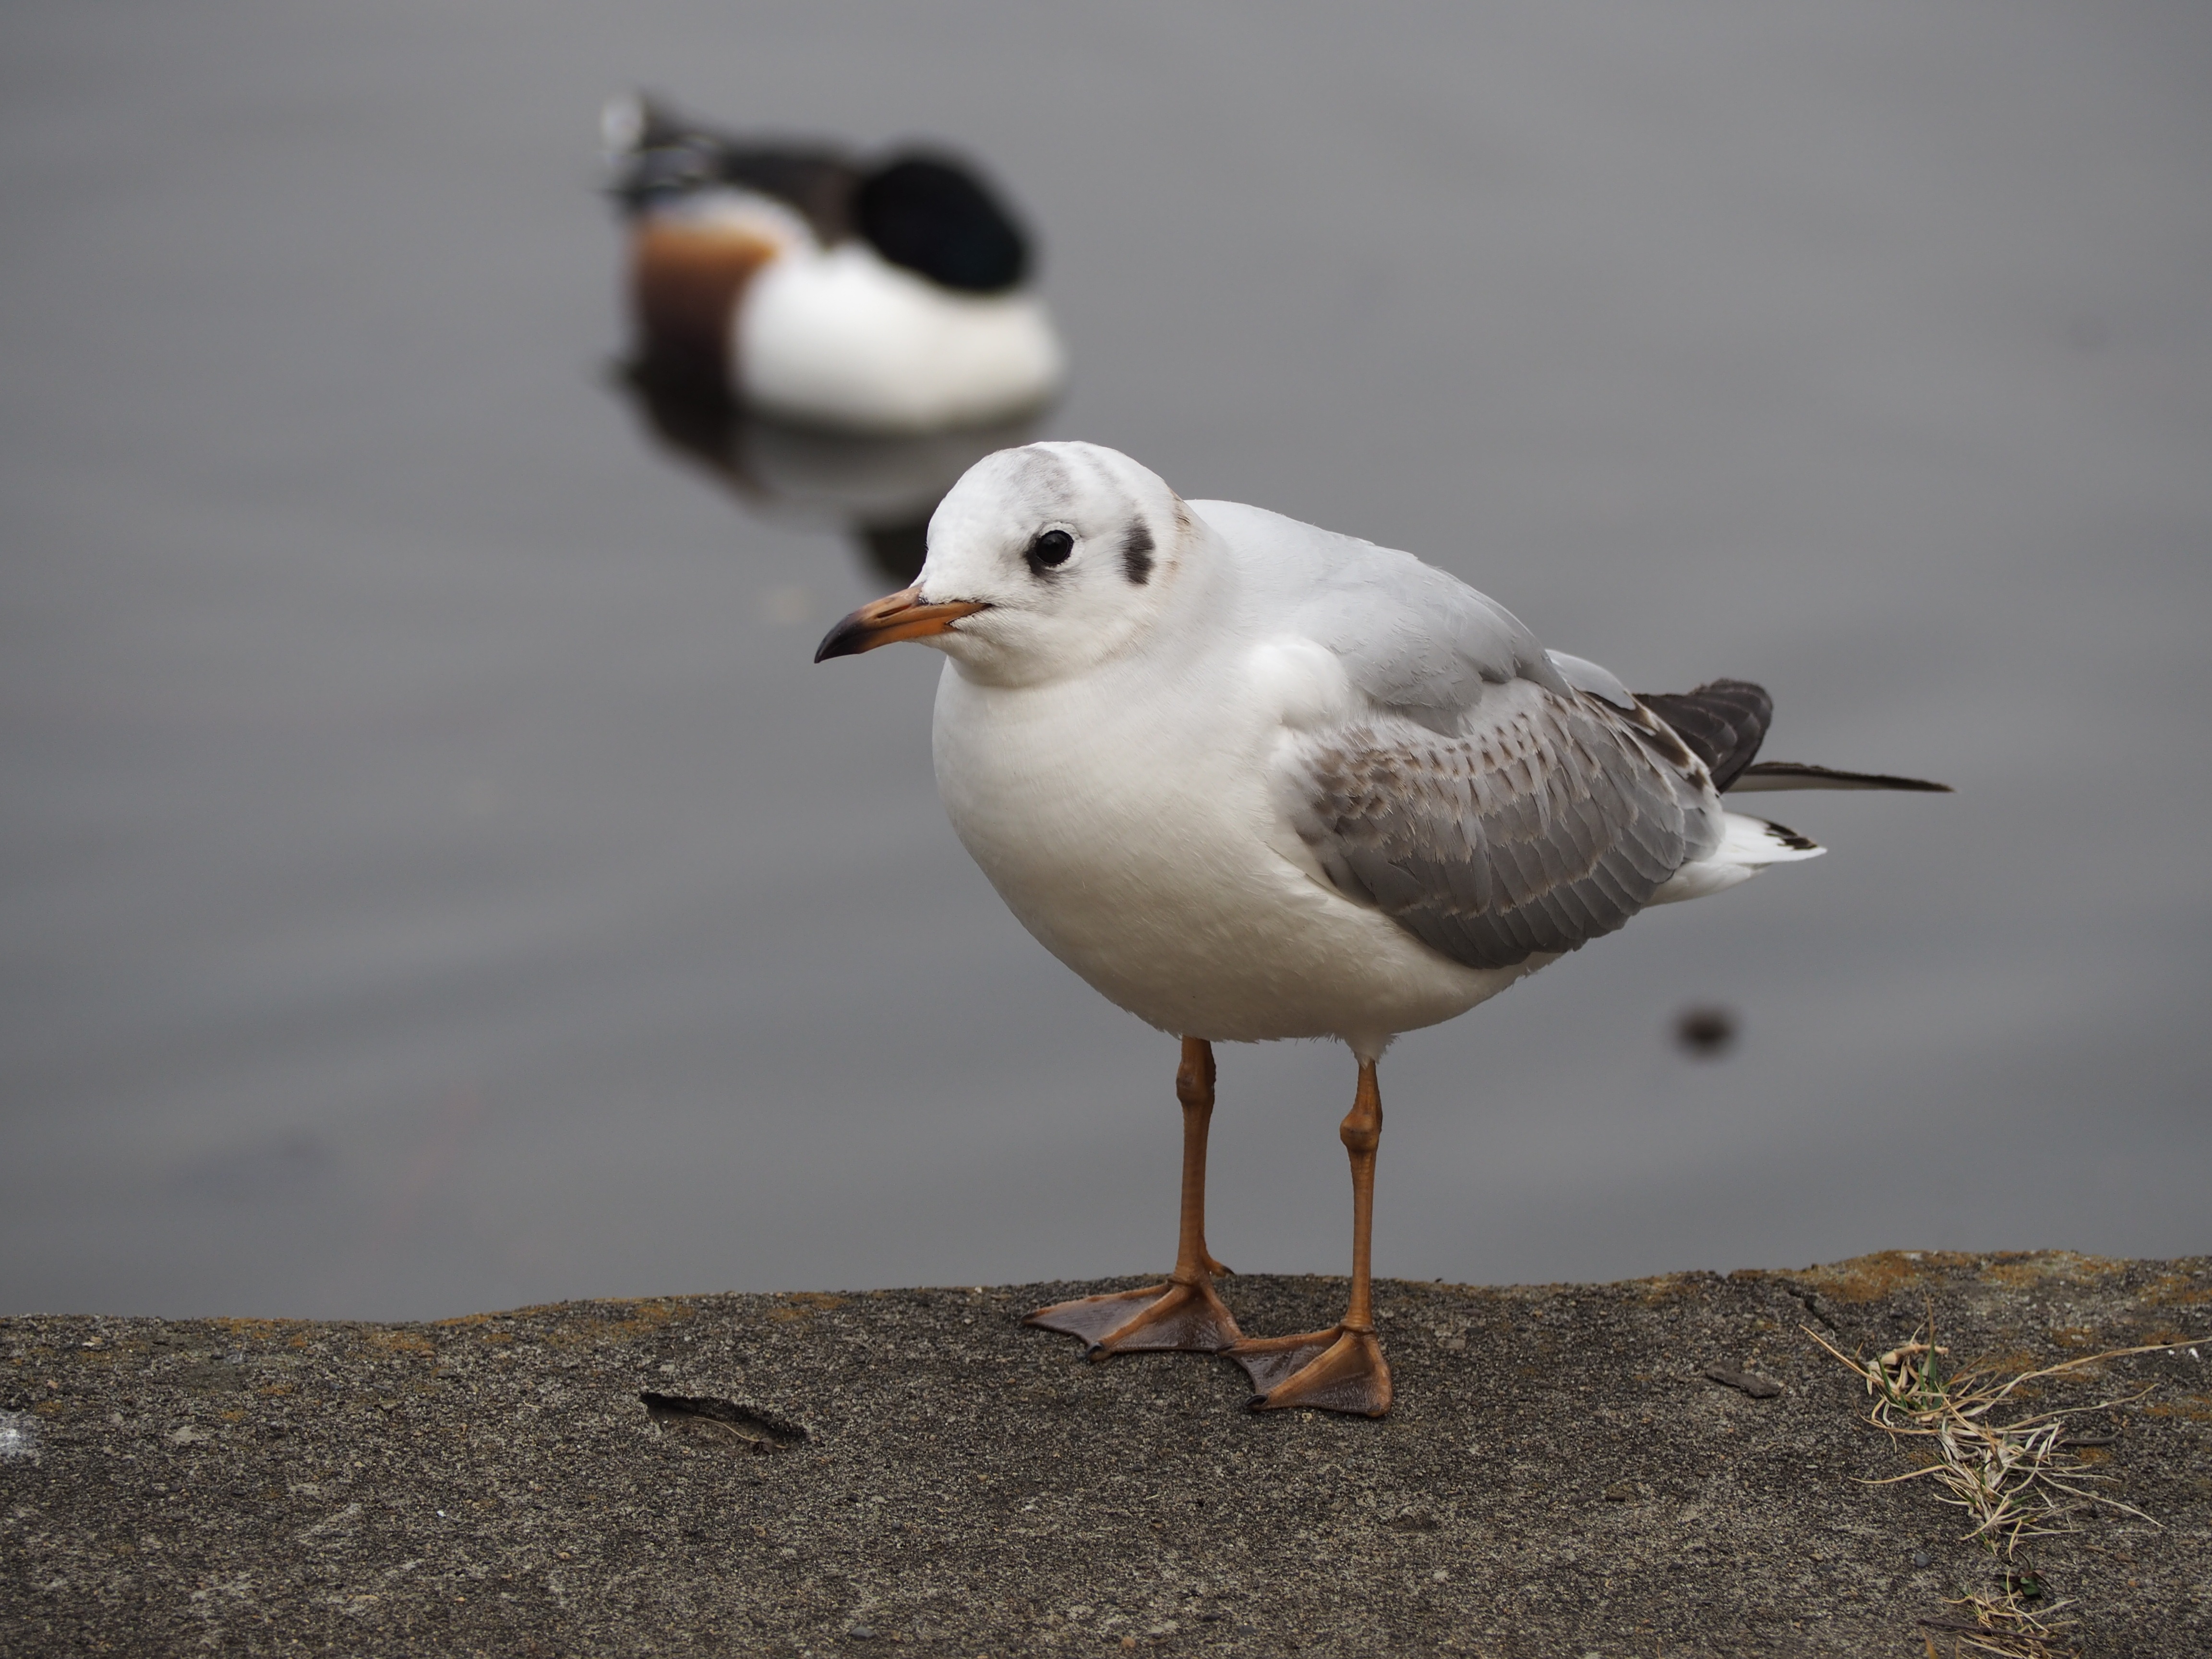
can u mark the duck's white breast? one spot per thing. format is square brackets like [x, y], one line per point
[1142, 845]
[840, 337]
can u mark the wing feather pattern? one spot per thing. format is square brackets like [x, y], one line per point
[1722, 722]
[1544, 819]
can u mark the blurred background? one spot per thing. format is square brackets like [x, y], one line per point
[436, 878]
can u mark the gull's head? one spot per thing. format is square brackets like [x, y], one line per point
[1043, 562]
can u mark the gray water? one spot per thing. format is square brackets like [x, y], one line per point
[436, 878]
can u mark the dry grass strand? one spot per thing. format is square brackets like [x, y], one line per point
[2015, 1478]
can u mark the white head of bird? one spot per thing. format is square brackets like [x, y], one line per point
[1043, 562]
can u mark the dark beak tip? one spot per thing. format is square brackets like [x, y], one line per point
[837, 642]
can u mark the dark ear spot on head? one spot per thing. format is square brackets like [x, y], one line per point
[1137, 553]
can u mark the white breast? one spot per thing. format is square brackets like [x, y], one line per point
[841, 337]
[1144, 851]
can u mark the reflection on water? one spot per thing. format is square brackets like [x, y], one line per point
[880, 489]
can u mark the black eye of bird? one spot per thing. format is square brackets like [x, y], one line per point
[1050, 550]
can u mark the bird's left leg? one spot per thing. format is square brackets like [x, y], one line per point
[1184, 1312]
[1341, 1369]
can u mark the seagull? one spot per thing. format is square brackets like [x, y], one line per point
[890, 296]
[1253, 780]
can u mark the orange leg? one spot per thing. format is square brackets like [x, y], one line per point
[1183, 1313]
[1341, 1369]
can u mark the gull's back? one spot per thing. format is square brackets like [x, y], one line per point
[1460, 784]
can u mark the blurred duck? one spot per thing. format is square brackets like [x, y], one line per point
[885, 297]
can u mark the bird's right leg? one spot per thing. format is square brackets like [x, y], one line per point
[1342, 1368]
[1184, 1312]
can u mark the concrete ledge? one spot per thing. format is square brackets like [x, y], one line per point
[912, 1472]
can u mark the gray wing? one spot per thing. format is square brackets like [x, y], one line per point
[1484, 803]
[1548, 824]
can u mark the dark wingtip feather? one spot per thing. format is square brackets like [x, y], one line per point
[1722, 723]
[1800, 774]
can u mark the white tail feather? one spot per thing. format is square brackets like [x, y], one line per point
[1747, 846]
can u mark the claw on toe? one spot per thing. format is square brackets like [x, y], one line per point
[1331, 1371]
[1189, 1318]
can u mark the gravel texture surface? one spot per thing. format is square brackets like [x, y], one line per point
[912, 1471]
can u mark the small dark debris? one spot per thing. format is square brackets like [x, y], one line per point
[1706, 1032]
[1814, 1306]
[1922, 1559]
[1749, 1383]
[738, 1426]
[1413, 1519]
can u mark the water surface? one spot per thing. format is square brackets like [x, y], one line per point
[434, 877]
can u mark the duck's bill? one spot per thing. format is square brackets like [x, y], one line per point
[896, 616]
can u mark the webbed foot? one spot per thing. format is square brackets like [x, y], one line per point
[1188, 1317]
[1331, 1370]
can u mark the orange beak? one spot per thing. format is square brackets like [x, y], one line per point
[896, 616]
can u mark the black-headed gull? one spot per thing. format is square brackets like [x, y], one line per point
[888, 296]
[1253, 780]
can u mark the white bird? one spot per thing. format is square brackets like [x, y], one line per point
[1253, 780]
[887, 297]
